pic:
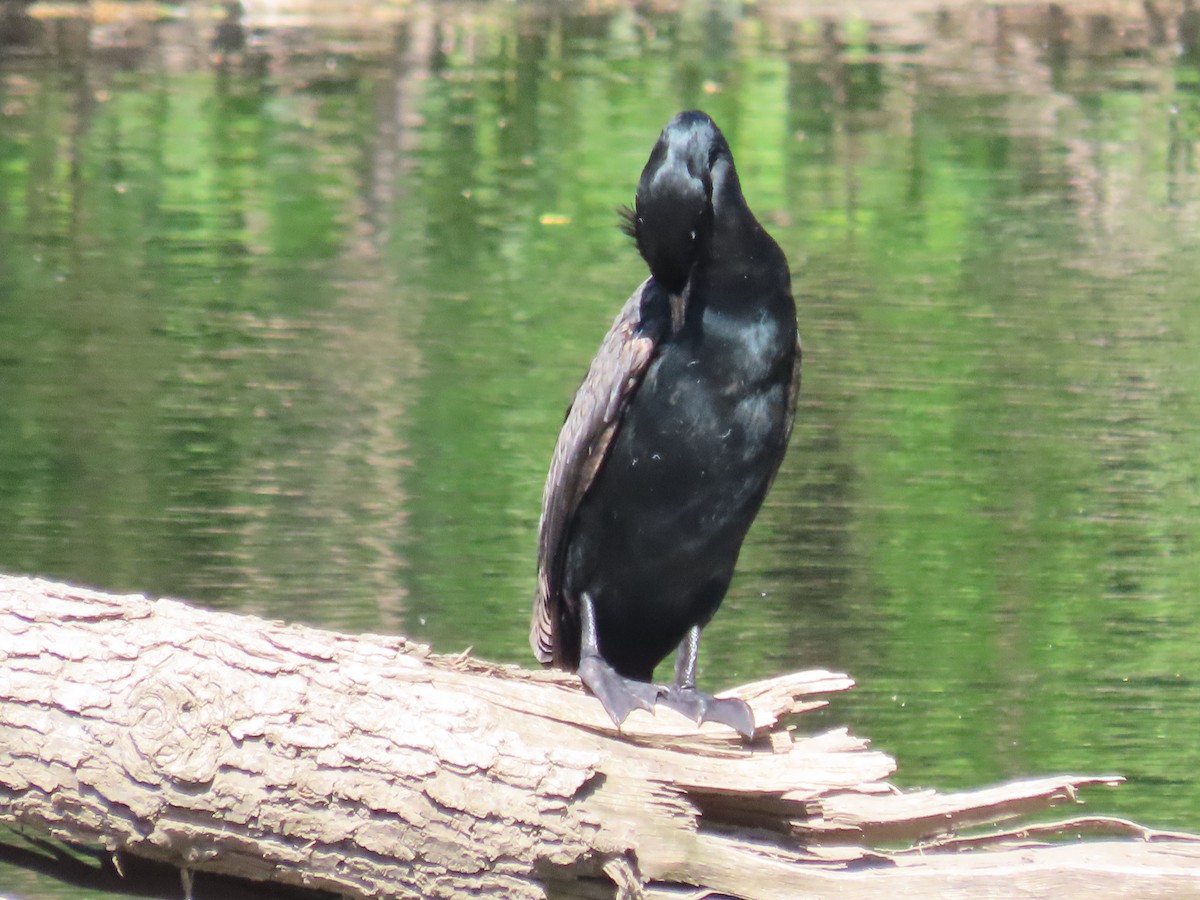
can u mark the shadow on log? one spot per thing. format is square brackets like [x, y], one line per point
[368, 766]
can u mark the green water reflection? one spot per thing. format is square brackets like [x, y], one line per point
[291, 332]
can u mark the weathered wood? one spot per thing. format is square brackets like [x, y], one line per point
[367, 765]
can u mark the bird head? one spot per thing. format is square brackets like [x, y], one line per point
[672, 218]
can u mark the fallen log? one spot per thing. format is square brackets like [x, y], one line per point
[368, 766]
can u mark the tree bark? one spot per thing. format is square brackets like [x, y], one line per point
[368, 766]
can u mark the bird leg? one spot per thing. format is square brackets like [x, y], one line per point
[683, 697]
[617, 694]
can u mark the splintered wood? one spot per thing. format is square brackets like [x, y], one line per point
[368, 766]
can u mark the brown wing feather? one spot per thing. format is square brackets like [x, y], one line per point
[583, 443]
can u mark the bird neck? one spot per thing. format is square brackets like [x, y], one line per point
[742, 271]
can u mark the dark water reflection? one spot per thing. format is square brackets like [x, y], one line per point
[289, 312]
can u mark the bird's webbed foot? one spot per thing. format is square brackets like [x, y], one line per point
[617, 694]
[698, 706]
[702, 707]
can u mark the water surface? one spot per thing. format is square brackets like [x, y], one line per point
[288, 324]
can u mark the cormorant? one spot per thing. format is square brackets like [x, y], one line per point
[672, 439]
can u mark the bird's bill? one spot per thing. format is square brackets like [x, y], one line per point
[679, 307]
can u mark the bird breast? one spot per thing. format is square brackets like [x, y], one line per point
[716, 403]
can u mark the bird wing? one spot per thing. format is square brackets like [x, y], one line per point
[793, 392]
[793, 398]
[591, 424]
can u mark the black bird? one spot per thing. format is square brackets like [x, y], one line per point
[672, 440]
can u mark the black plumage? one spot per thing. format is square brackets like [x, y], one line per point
[672, 440]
